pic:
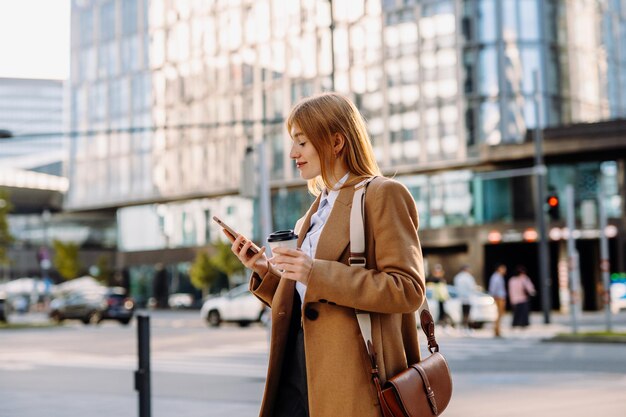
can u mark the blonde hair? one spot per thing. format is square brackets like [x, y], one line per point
[320, 118]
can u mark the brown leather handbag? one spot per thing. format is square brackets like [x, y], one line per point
[424, 388]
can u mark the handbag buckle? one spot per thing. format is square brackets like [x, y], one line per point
[357, 261]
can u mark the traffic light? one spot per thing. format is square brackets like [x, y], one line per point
[553, 206]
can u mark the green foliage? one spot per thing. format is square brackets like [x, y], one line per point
[226, 260]
[104, 270]
[5, 235]
[206, 270]
[203, 272]
[66, 259]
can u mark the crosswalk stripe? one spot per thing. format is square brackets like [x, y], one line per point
[236, 360]
[244, 360]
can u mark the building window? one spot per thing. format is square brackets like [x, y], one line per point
[107, 21]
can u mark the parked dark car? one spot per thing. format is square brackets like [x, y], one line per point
[3, 308]
[91, 307]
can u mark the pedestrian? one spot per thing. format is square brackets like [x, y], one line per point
[318, 363]
[465, 285]
[497, 289]
[520, 289]
[439, 287]
[160, 286]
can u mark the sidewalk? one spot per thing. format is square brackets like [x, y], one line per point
[25, 404]
[589, 321]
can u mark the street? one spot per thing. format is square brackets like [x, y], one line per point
[76, 370]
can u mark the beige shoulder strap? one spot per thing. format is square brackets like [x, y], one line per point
[358, 259]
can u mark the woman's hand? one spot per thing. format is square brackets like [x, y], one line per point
[295, 264]
[257, 262]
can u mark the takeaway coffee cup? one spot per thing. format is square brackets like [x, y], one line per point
[283, 239]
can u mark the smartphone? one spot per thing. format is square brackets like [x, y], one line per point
[253, 249]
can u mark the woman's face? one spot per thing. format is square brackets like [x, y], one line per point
[304, 153]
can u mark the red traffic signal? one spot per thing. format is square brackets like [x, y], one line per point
[553, 201]
[553, 206]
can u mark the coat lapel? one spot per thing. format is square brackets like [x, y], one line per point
[336, 233]
[306, 223]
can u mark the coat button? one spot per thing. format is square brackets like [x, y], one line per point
[311, 313]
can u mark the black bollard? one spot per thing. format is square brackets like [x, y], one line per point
[142, 375]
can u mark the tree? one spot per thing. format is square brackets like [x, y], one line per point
[203, 272]
[207, 270]
[5, 234]
[66, 259]
[226, 260]
[104, 270]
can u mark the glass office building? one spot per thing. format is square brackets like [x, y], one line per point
[32, 158]
[32, 111]
[170, 94]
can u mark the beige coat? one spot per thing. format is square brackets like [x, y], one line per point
[391, 287]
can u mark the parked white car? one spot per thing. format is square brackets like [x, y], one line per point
[483, 310]
[237, 305]
[180, 300]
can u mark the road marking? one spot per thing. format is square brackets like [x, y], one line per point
[248, 360]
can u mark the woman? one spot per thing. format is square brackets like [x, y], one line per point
[318, 363]
[520, 287]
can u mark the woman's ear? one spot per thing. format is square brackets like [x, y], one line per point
[338, 142]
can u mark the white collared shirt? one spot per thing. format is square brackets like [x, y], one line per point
[318, 220]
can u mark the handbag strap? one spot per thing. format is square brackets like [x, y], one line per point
[357, 258]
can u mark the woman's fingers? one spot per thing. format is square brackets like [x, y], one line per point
[236, 246]
[295, 264]
[288, 252]
[228, 235]
[252, 261]
[241, 247]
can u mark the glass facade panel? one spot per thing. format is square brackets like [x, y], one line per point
[488, 71]
[520, 20]
[489, 117]
[529, 21]
[486, 21]
[86, 27]
[288, 206]
[129, 17]
[107, 21]
[497, 204]
[195, 80]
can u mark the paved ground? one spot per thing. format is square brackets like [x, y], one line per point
[509, 393]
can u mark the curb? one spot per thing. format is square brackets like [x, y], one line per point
[585, 339]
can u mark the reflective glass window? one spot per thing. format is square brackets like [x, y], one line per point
[490, 123]
[488, 71]
[114, 98]
[130, 54]
[529, 22]
[288, 206]
[450, 199]
[469, 66]
[129, 17]
[486, 21]
[107, 21]
[531, 63]
[610, 187]
[137, 92]
[497, 204]
[418, 187]
[86, 27]
[515, 123]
